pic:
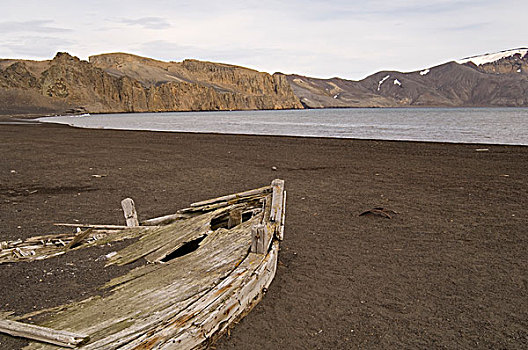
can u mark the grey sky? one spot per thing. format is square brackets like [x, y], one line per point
[349, 39]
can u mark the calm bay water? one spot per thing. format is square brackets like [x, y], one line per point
[461, 125]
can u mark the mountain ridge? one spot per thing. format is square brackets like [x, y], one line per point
[492, 83]
[123, 82]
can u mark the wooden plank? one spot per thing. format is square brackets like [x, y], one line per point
[160, 241]
[43, 334]
[79, 238]
[240, 292]
[165, 219]
[232, 196]
[210, 207]
[280, 233]
[203, 208]
[260, 239]
[243, 299]
[235, 218]
[111, 227]
[152, 294]
[129, 210]
[197, 325]
[276, 200]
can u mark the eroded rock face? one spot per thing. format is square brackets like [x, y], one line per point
[196, 85]
[127, 83]
[17, 76]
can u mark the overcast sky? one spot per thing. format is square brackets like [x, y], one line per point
[327, 38]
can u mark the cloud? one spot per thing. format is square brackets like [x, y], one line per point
[348, 38]
[39, 26]
[148, 22]
[468, 27]
[266, 59]
[36, 46]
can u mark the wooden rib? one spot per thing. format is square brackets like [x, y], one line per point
[280, 233]
[276, 201]
[261, 236]
[232, 196]
[43, 334]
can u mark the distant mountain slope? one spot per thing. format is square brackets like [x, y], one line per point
[128, 83]
[499, 79]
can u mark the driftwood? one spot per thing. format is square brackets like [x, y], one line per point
[47, 335]
[48, 246]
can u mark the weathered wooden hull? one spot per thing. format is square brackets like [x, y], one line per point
[181, 301]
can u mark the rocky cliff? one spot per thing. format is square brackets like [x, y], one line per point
[127, 83]
[499, 79]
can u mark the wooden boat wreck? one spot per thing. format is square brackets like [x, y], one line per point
[208, 265]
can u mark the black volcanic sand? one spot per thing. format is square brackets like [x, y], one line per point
[448, 270]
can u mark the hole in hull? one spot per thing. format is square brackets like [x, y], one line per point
[223, 220]
[186, 248]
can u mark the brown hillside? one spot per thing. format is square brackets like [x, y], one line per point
[126, 83]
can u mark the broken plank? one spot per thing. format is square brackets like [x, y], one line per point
[257, 191]
[203, 208]
[79, 238]
[129, 210]
[43, 334]
[163, 220]
[111, 227]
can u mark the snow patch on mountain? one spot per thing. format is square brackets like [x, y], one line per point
[424, 72]
[493, 57]
[397, 82]
[382, 81]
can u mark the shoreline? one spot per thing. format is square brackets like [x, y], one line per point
[451, 261]
[267, 135]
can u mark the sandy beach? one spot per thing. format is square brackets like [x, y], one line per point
[448, 269]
